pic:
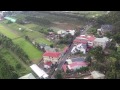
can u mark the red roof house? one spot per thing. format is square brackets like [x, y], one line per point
[78, 41]
[48, 63]
[52, 54]
[91, 38]
[84, 39]
[51, 57]
[77, 65]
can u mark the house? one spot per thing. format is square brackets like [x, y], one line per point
[28, 76]
[38, 72]
[90, 39]
[69, 61]
[104, 29]
[85, 39]
[101, 42]
[74, 50]
[61, 32]
[72, 32]
[77, 65]
[47, 65]
[80, 47]
[51, 56]
[97, 75]
[74, 63]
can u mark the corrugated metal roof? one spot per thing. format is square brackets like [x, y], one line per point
[28, 76]
[39, 71]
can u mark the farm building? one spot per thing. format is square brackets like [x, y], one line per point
[39, 73]
[28, 76]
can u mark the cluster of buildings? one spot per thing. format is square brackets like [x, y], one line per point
[84, 43]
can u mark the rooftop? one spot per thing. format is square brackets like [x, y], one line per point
[48, 63]
[105, 39]
[52, 54]
[74, 64]
[107, 27]
[28, 76]
[38, 71]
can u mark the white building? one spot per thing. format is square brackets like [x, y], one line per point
[72, 32]
[28, 76]
[80, 47]
[101, 42]
[39, 72]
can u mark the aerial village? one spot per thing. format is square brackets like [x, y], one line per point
[69, 62]
[74, 60]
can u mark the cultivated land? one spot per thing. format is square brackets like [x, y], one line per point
[31, 51]
[13, 60]
[34, 35]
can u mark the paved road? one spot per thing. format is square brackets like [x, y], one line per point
[66, 55]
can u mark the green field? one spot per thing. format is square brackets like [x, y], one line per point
[31, 51]
[34, 35]
[14, 61]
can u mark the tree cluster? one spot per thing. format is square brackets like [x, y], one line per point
[40, 21]
[7, 43]
[6, 70]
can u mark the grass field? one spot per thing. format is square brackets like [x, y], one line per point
[31, 51]
[13, 61]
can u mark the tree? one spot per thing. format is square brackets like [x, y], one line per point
[18, 66]
[9, 22]
[51, 45]
[93, 31]
[59, 76]
[88, 59]
[19, 21]
[97, 53]
[116, 37]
